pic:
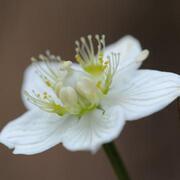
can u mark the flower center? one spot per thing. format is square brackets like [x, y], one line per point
[72, 91]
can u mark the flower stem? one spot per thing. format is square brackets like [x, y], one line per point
[116, 161]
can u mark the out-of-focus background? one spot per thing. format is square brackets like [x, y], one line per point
[150, 147]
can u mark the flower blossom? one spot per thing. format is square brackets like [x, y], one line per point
[84, 106]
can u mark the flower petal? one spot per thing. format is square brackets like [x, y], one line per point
[32, 81]
[94, 129]
[148, 92]
[33, 132]
[130, 50]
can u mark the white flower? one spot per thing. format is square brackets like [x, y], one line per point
[85, 106]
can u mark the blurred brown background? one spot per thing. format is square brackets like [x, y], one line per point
[149, 147]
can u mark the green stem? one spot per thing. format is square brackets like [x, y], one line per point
[116, 161]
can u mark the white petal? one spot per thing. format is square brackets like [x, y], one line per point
[129, 49]
[76, 67]
[32, 81]
[148, 92]
[94, 129]
[33, 132]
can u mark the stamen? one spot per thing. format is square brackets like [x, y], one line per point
[44, 71]
[48, 71]
[85, 55]
[45, 102]
[112, 68]
[91, 45]
[86, 46]
[142, 55]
